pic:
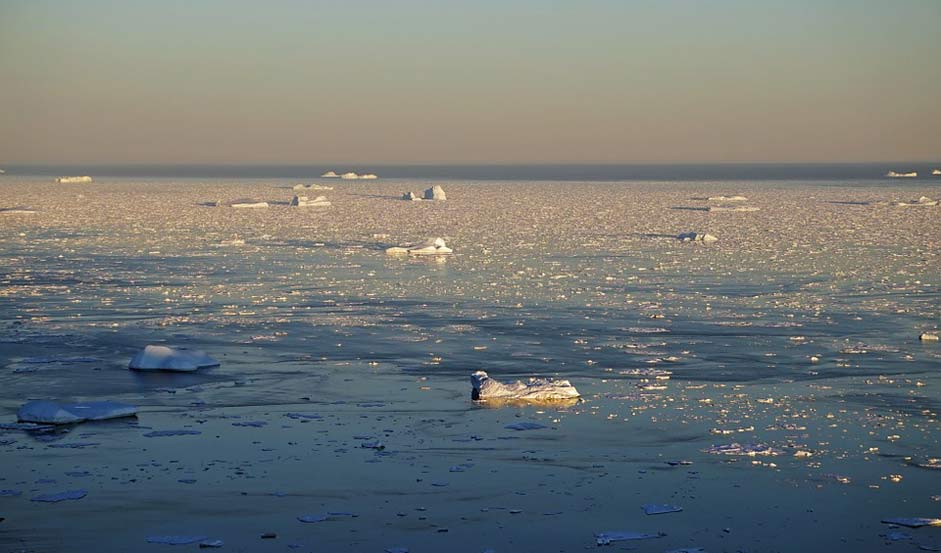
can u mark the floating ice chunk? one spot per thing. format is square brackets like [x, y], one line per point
[303, 201]
[242, 203]
[936, 172]
[252, 424]
[330, 175]
[727, 199]
[748, 450]
[435, 193]
[10, 493]
[47, 412]
[897, 175]
[923, 201]
[396, 549]
[522, 426]
[349, 176]
[369, 176]
[18, 210]
[71, 495]
[609, 537]
[176, 540]
[101, 410]
[733, 208]
[167, 358]
[211, 543]
[432, 246]
[660, 508]
[928, 337]
[375, 444]
[915, 522]
[74, 180]
[688, 550]
[303, 416]
[312, 187]
[696, 237]
[309, 519]
[411, 196]
[537, 389]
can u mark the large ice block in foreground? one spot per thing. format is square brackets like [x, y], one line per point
[50, 412]
[432, 246]
[73, 180]
[165, 358]
[537, 389]
[435, 193]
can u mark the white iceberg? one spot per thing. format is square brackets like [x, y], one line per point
[50, 412]
[435, 193]
[696, 237]
[243, 203]
[936, 172]
[733, 208]
[411, 196]
[165, 358]
[896, 175]
[74, 180]
[349, 176]
[536, 389]
[369, 176]
[432, 246]
[330, 175]
[304, 201]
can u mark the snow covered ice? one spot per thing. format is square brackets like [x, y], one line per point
[166, 358]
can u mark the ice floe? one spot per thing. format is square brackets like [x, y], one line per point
[897, 175]
[304, 201]
[696, 237]
[175, 540]
[17, 210]
[432, 246]
[50, 412]
[74, 180]
[71, 495]
[536, 389]
[611, 536]
[727, 198]
[733, 208]
[659, 508]
[243, 203]
[312, 187]
[913, 522]
[923, 201]
[167, 358]
[330, 175]
[928, 337]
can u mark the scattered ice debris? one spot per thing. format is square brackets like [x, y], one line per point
[536, 389]
[175, 540]
[929, 337]
[312, 187]
[166, 433]
[609, 537]
[696, 237]
[71, 495]
[897, 175]
[74, 180]
[166, 358]
[304, 201]
[727, 199]
[49, 412]
[733, 208]
[936, 172]
[17, 210]
[309, 519]
[915, 522]
[432, 246]
[660, 508]
[330, 175]
[521, 426]
[749, 450]
[923, 201]
[435, 193]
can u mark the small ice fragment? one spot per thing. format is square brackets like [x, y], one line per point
[176, 540]
[696, 237]
[914, 522]
[10, 493]
[330, 175]
[101, 410]
[727, 198]
[304, 201]
[688, 550]
[375, 444]
[396, 549]
[303, 416]
[349, 176]
[253, 424]
[74, 180]
[521, 426]
[929, 337]
[897, 536]
[71, 495]
[411, 196]
[536, 389]
[660, 508]
[166, 358]
[211, 543]
[165, 433]
[309, 519]
[607, 538]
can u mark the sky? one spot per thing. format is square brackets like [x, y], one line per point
[619, 81]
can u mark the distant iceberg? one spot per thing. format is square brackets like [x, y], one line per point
[936, 172]
[536, 389]
[166, 358]
[895, 175]
[349, 176]
[432, 246]
[73, 180]
[369, 176]
[312, 187]
[330, 175]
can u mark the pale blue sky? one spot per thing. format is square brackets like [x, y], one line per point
[485, 81]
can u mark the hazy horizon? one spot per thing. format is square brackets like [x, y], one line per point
[421, 83]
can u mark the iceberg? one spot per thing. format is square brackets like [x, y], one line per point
[330, 175]
[936, 172]
[166, 358]
[896, 175]
[312, 187]
[435, 193]
[304, 201]
[369, 176]
[696, 237]
[74, 180]
[50, 412]
[536, 389]
[432, 246]
[411, 196]
[349, 176]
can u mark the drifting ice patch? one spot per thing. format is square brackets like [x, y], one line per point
[913, 522]
[50, 412]
[537, 389]
[304, 201]
[660, 508]
[165, 358]
[73, 180]
[432, 246]
[696, 237]
[607, 538]
[749, 450]
[71, 495]
[176, 540]
[330, 175]
[165, 433]
[521, 426]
